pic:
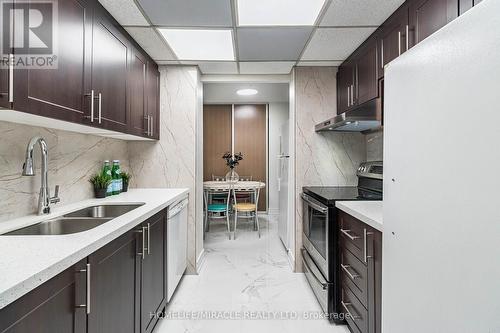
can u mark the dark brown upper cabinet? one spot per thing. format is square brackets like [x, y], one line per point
[428, 16]
[115, 287]
[137, 94]
[61, 92]
[153, 101]
[110, 51]
[366, 82]
[393, 39]
[154, 271]
[52, 307]
[346, 86]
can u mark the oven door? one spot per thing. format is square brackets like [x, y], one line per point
[315, 228]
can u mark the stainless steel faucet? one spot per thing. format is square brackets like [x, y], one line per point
[44, 200]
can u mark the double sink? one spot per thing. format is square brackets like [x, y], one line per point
[77, 221]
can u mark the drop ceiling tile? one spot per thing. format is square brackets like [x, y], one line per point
[271, 67]
[335, 43]
[272, 44]
[278, 12]
[359, 12]
[188, 13]
[320, 63]
[151, 42]
[125, 12]
[218, 67]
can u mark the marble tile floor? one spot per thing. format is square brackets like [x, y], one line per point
[245, 285]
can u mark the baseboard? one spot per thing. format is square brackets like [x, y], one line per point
[200, 261]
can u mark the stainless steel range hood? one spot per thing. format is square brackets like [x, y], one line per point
[364, 118]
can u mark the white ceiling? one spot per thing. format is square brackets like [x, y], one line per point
[226, 93]
[267, 45]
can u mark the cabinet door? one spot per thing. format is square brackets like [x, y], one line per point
[366, 72]
[115, 286]
[393, 38]
[137, 94]
[4, 84]
[153, 282]
[61, 92]
[51, 307]
[110, 50]
[153, 99]
[428, 16]
[345, 86]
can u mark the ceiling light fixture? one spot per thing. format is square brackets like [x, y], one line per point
[199, 44]
[247, 92]
[278, 12]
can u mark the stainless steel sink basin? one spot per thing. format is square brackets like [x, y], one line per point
[77, 221]
[60, 226]
[103, 211]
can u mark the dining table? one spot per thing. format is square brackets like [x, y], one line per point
[229, 185]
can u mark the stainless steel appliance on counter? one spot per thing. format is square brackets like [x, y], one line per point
[320, 254]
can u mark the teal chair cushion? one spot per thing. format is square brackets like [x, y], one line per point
[217, 207]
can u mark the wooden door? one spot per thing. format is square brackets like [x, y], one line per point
[62, 92]
[367, 74]
[217, 139]
[115, 281]
[153, 99]
[393, 38]
[428, 16]
[153, 272]
[250, 138]
[110, 50]
[137, 94]
[50, 307]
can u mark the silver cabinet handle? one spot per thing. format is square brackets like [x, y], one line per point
[348, 96]
[100, 108]
[399, 42]
[149, 238]
[92, 98]
[344, 305]
[146, 118]
[345, 268]
[407, 37]
[87, 289]
[11, 78]
[365, 244]
[142, 231]
[382, 54]
[352, 94]
[152, 125]
[347, 233]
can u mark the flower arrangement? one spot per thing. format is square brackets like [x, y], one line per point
[232, 160]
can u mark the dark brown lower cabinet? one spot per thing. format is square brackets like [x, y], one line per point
[4, 87]
[361, 274]
[127, 282]
[154, 272]
[51, 307]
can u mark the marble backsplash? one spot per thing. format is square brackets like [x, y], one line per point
[73, 158]
[375, 146]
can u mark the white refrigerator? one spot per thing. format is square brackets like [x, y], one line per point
[441, 237]
[283, 165]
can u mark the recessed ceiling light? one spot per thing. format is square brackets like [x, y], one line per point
[247, 92]
[198, 44]
[278, 12]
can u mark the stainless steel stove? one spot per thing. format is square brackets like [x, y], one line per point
[320, 254]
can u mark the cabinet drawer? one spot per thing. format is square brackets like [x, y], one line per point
[356, 314]
[354, 275]
[351, 235]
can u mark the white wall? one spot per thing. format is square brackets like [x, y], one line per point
[278, 115]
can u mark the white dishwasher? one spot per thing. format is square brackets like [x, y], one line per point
[176, 244]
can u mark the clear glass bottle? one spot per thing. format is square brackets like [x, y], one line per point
[106, 170]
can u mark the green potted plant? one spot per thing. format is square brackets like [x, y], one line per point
[125, 180]
[100, 182]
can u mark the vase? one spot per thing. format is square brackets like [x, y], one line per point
[232, 176]
[100, 193]
[124, 186]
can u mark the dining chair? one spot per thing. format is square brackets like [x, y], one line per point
[217, 210]
[218, 178]
[246, 178]
[247, 210]
[218, 197]
[244, 197]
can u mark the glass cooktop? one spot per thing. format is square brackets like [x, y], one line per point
[329, 194]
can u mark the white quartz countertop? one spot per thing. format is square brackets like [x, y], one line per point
[369, 212]
[28, 261]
